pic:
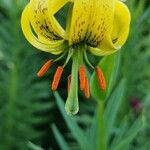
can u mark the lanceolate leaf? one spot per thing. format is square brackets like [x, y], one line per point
[61, 141]
[109, 66]
[122, 130]
[130, 134]
[32, 146]
[112, 108]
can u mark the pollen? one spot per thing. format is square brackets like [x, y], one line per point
[82, 76]
[57, 78]
[44, 68]
[86, 89]
[100, 78]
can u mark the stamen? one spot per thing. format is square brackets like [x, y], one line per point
[70, 53]
[44, 68]
[86, 89]
[61, 56]
[82, 76]
[87, 60]
[69, 82]
[57, 77]
[101, 78]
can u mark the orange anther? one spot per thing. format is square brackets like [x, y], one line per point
[86, 89]
[57, 77]
[44, 68]
[82, 76]
[69, 82]
[101, 78]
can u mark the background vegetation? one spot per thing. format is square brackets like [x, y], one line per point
[32, 117]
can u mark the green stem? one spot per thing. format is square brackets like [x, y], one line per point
[72, 104]
[101, 141]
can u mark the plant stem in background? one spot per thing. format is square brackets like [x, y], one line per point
[101, 140]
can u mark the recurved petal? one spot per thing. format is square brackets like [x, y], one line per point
[53, 7]
[56, 5]
[79, 20]
[100, 52]
[43, 20]
[121, 24]
[114, 40]
[54, 47]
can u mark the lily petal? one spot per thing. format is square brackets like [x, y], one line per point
[54, 47]
[68, 21]
[101, 21]
[53, 7]
[117, 37]
[41, 21]
[79, 21]
[99, 52]
[121, 26]
[56, 5]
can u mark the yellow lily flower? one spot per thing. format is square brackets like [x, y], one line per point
[98, 26]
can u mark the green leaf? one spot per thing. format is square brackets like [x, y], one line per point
[109, 66]
[61, 141]
[72, 124]
[23, 98]
[32, 146]
[112, 108]
[122, 130]
[130, 134]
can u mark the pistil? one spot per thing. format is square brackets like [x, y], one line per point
[72, 104]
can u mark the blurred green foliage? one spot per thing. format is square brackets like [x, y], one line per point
[24, 100]
[31, 117]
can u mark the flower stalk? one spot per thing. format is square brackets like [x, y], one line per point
[101, 140]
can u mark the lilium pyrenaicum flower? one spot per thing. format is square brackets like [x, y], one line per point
[98, 26]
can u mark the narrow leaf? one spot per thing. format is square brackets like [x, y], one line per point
[122, 130]
[112, 108]
[61, 141]
[131, 134]
[33, 146]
